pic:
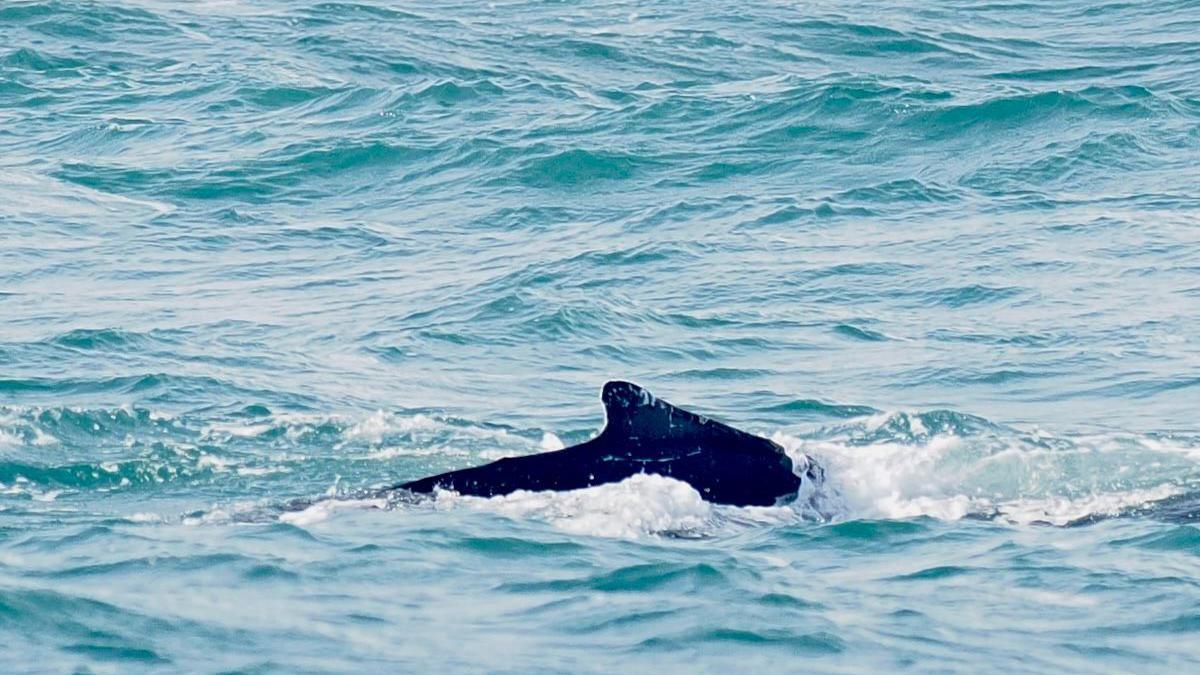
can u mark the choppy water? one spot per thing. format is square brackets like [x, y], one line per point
[253, 252]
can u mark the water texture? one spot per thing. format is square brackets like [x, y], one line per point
[258, 258]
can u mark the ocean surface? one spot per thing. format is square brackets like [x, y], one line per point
[259, 258]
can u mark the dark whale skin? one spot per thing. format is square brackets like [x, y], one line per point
[642, 434]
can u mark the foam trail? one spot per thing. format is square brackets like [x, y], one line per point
[1005, 474]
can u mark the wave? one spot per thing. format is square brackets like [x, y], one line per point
[273, 174]
[49, 451]
[1122, 103]
[33, 60]
[882, 466]
[878, 465]
[100, 339]
[577, 166]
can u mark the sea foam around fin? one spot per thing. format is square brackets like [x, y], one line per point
[893, 466]
[643, 504]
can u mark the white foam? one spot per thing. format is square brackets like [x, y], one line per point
[392, 452]
[237, 430]
[260, 470]
[225, 513]
[1063, 510]
[373, 429]
[15, 428]
[643, 504]
[326, 507]
[8, 439]
[145, 517]
[551, 442]
[213, 462]
[379, 424]
[949, 477]
[885, 480]
[42, 439]
[24, 487]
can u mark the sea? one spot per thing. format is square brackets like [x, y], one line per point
[260, 259]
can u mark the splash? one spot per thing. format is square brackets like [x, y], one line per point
[643, 504]
[949, 466]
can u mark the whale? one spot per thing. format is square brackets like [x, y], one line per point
[643, 434]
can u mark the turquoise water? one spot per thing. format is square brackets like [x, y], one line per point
[258, 252]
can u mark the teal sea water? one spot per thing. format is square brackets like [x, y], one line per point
[258, 252]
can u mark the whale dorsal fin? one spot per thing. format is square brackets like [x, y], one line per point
[634, 414]
[642, 434]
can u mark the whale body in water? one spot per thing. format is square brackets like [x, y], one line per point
[644, 434]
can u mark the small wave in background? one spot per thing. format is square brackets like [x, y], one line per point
[260, 260]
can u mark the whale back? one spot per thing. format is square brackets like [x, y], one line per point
[642, 434]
